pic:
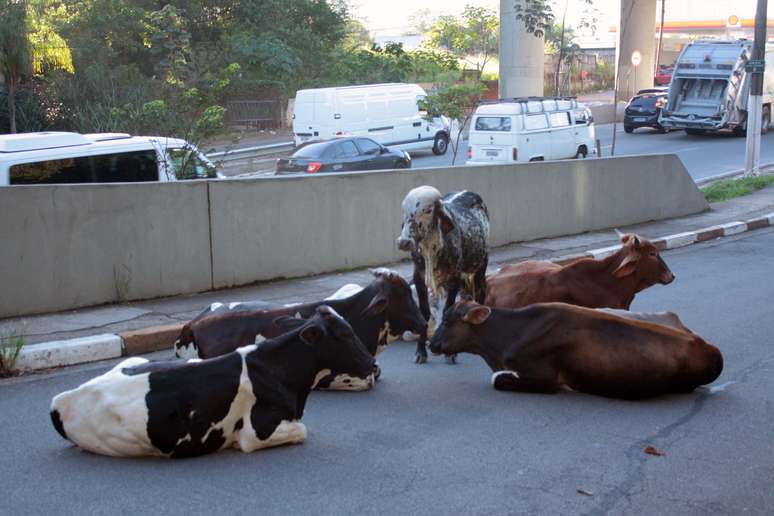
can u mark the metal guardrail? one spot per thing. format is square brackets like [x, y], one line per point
[251, 150]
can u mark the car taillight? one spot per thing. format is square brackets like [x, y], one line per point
[313, 167]
[470, 153]
[515, 154]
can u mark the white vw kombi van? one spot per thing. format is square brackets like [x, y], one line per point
[530, 129]
[386, 113]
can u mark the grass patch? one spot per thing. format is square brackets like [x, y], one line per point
[730, 188]
[10, 348]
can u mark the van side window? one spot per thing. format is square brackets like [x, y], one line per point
[105, 168]
[580, 117]
[187, 165]
[560, 119]
[534, 122]
[493, 123]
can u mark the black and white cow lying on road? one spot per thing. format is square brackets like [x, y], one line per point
[448, 239]
[379, 314]
[249, 399]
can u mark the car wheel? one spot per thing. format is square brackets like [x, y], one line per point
[441, 144]
[582, 152]
[401, 164]
[628, 129]
[662, 129]
[740, 130]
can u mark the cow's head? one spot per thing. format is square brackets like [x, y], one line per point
[336, 346]
[642, 260]
[456, 334]
[393, 299]
[422, 212]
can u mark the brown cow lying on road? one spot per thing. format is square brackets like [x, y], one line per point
[547, 346]
[611, 282]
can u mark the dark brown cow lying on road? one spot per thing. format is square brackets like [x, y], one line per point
[611, 282]
[249, 399]
[547, 346]
[379, 314]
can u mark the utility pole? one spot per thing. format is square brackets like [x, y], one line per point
[660, 38]
[755, 67]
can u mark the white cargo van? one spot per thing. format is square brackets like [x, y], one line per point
[62, 157]
[387, 113]
[530, 129]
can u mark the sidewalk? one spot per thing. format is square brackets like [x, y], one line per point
[116, 319]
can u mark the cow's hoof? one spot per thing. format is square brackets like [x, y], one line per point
[451, 359]
[377, 372]
[419, 358]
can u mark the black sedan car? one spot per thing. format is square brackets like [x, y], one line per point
[342, 155]
[643, 110]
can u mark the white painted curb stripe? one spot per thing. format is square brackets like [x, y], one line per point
[732, 228]
[68, 352]
[680, 239]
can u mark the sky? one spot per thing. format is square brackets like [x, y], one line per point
[390, 17]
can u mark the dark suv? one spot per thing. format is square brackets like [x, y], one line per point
[643, 110]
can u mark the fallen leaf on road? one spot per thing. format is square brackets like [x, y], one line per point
[652, 450]
[584, 492]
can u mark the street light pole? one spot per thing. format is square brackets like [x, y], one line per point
[754, 104]
[660, 38]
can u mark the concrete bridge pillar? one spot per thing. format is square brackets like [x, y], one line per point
[636, 31]
[521, 56]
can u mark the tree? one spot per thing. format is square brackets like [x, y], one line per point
[421, 21]
[538, 15]
[15, 52]
[475, 35]
[457, 103]
[561, 43]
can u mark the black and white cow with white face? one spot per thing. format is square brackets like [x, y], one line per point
[448, 238]
[379, 314]
[249, 399]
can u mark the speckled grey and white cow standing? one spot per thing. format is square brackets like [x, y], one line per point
[448, 237]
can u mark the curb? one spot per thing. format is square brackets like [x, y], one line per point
[681, 239]
[157, 338]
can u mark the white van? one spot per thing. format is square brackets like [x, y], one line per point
[530, 129]
[62, 157]
[387, 113]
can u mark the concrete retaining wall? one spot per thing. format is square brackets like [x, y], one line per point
[69, 246]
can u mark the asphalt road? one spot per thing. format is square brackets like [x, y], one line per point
[437, 439]
[703, 156]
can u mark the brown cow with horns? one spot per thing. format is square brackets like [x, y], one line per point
[611, 282]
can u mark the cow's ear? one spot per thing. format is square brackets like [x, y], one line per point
[628, 265]
[311, 334]
[445, 221]
[477, 314]
[377, 305]
[288, 323]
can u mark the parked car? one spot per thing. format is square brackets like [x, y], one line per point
[63, 157]
[343, 155]
[530, 129]
[664, 75]
[386, 113]
[644, 109]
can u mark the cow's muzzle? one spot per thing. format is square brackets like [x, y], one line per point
[435, 344]
[404, 244]
[667, 278]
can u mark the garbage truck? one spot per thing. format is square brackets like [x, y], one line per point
[710, 87]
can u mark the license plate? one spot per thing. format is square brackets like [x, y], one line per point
[492, 153]
[639, 118]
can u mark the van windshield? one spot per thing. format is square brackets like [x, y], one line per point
[493, 123]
